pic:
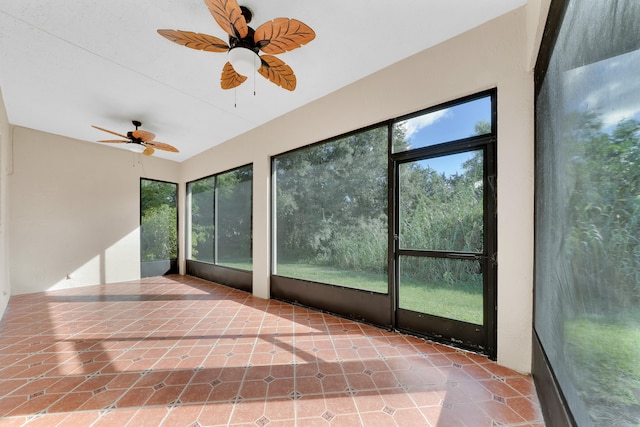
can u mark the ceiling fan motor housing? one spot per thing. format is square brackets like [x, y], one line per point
[248, 41]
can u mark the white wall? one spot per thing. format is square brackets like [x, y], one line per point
[5, 145]
[493, 55]
[537, 11]
[75, 211]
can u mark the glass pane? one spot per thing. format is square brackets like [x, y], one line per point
[159, 222]
[441, 203]
[588, 212]
[449, 124]
[233, 210]
[442, 287]
[331, 212]
[202, 228]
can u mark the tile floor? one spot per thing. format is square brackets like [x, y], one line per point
[179, 351]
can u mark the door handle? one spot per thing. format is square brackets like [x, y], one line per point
[464, 256]
[476, 257]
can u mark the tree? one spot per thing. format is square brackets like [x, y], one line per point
[329, 190]
[158, 236]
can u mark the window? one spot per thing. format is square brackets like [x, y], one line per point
[220, 212]
[587, 307]
[455, 122]
[330, 211]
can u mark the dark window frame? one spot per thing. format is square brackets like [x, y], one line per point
[234, 277]
[159, 267]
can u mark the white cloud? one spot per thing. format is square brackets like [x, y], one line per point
[414, 125]
[609, 87]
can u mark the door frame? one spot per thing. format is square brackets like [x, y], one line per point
[162, 267]
[480, 338]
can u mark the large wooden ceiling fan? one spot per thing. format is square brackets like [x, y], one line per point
[246, 44]
[143, 141]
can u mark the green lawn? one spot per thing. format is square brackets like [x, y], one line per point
[603, 356]
[242, 264]
[461, 302]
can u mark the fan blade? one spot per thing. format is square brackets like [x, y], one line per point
[162, 146]
[229, 16]
[143, 135]
[148, 151]
[276, 71]
[230, 78]
[109, 131]
[282, 35]
[115, 141]
[196, 41]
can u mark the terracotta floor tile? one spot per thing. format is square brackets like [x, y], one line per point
[45, 420]
[310, 407]
[472, 416]
[134, 397]
[360, 382]
[254, 389]
[334, 383]
[409, 417]
[149, 417]
[284, 387]
[225, 391]
[525, 408]
[440, 416]
[280, 410]
[501, 412]
[377, 419]
[101, 400]
[248, 411]
[80, 419]
[499, 388]
[178, 350]
[186, 415]
[350, 420]
[370, 402]
[195, 393]
[308, 385]
[71, 402]
[216, 414]
[524, 385]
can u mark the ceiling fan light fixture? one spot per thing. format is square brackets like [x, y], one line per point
[244, 61]
[136, 148]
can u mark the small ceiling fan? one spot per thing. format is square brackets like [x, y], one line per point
[143, 141]
[245, 44]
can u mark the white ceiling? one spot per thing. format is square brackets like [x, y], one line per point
[68, 64]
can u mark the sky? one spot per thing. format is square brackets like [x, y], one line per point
[610, 87]
[446, 125]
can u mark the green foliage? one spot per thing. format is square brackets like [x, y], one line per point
[332, 207]
[594, 222]
[362, 247]
[442, 213]
[331, 195]
[159, 235]
[604, 204]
